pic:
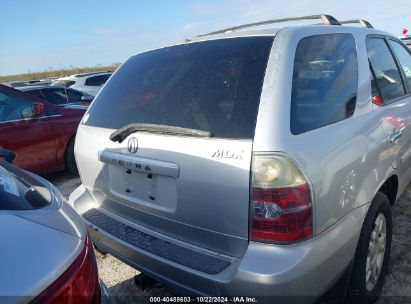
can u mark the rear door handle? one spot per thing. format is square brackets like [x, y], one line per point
[395, 135]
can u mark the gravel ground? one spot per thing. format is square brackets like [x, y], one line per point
[118, 276]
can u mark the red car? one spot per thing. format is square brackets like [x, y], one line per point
[41, 134]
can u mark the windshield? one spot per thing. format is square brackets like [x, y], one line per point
[212, 86]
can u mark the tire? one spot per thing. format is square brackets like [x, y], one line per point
[366, 287]
[71, 165]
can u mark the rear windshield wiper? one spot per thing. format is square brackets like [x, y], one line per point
[121, 134]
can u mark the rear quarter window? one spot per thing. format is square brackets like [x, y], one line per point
[74, 96]
[36, 93]
[325, 81]
[56, 96]
[404, 59]
[212, 86]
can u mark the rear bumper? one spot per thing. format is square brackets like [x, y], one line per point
[298, 271]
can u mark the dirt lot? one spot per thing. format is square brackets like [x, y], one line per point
[119, 277]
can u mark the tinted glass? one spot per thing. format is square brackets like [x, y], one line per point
[56, 96]
[74, 96]
[95, 81]
[36, 93]
[105, 78]
[14, 107]
[404, 58]
[388, 78]
[325, 81]
[212, 86]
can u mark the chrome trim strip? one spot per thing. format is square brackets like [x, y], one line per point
[15, 120]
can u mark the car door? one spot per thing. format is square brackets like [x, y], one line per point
[391, 93]
[29, 135]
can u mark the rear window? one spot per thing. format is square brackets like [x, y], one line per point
[404, 58]
[56, 96]
[325, 81]
[20, 190]
[212, 86]
[36, 93]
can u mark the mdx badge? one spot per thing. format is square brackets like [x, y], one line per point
[228, 153]
[132, 145]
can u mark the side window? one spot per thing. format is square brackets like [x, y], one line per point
[36, 93]
[387, 75]
[325, 81]
[74, 96]
[404, 58]
[95, 81]
[14, 108]
[56, 96]
[105, 78]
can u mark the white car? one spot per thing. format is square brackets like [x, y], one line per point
[90, 83]
[406, 39]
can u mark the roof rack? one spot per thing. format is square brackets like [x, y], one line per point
[91, 73]
[326, 20]
[361, 22]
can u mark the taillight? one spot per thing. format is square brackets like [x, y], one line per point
[281, 201]
[377, 100]
[78, 284]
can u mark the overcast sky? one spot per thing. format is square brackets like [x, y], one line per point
[43, 34]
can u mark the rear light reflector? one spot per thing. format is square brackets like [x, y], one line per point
[281, 201]
[78, 284]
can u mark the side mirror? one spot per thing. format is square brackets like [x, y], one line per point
[7, 155]
[38, 109]
[87, 98]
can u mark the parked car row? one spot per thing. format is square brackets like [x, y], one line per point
[74, 89]
[90, 83]
[18, 84]
[60, 96]
[40, 133]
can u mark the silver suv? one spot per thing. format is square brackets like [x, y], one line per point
[257, 163]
